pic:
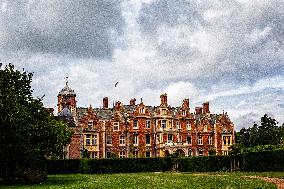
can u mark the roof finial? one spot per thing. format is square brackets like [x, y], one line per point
[66, 80]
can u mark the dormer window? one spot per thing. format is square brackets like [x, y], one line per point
[90, 123]
[142, 110]
[183, 113]
[164, 111]
[205, 128]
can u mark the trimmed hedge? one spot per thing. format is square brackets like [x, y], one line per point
[117, 165]
[133, 165]
[254, 161]
[264, 161]
[205, 163]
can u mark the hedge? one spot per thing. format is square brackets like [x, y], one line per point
[254, 161]
[264, 161]
[205, 163]
[117, 165]
[133, 165]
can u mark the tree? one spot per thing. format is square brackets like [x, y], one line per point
[266, 136]
[28, 134]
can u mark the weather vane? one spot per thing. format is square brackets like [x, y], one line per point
[66, 79]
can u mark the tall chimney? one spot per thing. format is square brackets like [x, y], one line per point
[198, 110]
[117, 105]
[164, 99]
[185, 103]
[206, 107]
[105, 103]
[132, 102]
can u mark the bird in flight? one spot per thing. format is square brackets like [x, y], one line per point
[115, 84]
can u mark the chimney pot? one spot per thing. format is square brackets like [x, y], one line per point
[206, 107]
[105, 103]
[198, 110]
[133, 102]
[164, 99]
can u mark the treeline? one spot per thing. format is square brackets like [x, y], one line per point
[266, 136]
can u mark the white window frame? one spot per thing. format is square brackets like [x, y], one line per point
[94, 155]
[122, 154]
[178, 125]
[135, 154]
[142, 110]
[183, 113]
[115, 126]
[164, 123]
[149, 154]
[172, 138]
[90, 123]
[88, 138]
[189, 152]
[148, 124]
[148, 143]
[200, 154]
[205, 128]
[109, 140]
[189, 141]
[135, 126]
[188, 125]
[94, 140]
[210, 140]
[200, 140]
[225, 140]
[135, 140]
[179, 137]
[229, 140]
[122, 140]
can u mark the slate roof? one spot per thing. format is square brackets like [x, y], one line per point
[65, 112]
[67, 91]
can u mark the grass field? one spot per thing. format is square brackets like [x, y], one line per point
[154, 180]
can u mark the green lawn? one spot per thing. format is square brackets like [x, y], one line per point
[154, 180]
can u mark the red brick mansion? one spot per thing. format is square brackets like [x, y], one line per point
[139, 130]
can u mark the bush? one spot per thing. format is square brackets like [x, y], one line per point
[264, 161]
[205, 163]
[133, 165]
[64, 166]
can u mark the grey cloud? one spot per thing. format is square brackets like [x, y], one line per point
[170, 12]
[239, 57]
[85, 28]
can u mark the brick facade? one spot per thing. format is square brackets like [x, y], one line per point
[138, 130]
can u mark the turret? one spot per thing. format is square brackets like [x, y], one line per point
[67, 98]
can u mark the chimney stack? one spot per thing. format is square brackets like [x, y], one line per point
[105, 103]
[132, 102]
[198, 110]
[206, 107]
[185, 103]
[164, 99]
[117, 105]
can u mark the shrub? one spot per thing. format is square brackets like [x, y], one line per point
[264, 161]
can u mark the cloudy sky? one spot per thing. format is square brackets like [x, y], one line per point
[230, 53]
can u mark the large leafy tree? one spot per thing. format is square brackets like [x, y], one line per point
[266, 136]
[28, 134]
